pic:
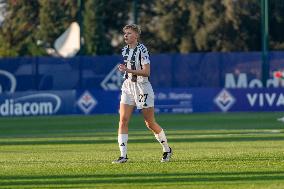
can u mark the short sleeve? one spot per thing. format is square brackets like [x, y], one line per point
[123, 50]
[145, 59]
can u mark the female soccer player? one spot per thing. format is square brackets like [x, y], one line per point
[137, 91]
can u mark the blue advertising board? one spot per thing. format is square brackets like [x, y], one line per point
[37, 103]
[88, 102]
[189, 100]
[209, 70]
[97, 102]
[254, 100]
[219, 100]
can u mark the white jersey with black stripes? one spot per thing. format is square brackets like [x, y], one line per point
[135, 59]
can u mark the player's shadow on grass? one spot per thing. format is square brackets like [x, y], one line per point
[140, 179]
[48, 141]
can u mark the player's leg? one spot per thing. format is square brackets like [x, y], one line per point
[159, 133]
[125, 112]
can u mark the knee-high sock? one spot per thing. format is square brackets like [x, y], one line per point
[161, 137]
[122, 142]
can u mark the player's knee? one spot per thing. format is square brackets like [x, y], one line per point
[123, 122]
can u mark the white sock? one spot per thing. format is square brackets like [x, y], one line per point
[122, 142]
[161, 137]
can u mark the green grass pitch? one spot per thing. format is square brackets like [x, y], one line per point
[228, 151]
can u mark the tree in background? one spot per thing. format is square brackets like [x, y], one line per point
[115, 20]
[247, 15]
[94, 20]
[175, 26]
[30, 22]
[226, 26]
[276, 24]
[188, 26]
[162, 25]
[54, 18]
[102, 25]
[17, 32]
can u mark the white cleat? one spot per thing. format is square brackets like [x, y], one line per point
[120, 160]
[167, 156]
[281, 119]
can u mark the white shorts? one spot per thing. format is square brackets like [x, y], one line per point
[137, 94]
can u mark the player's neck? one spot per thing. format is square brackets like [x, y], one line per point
[133, 45]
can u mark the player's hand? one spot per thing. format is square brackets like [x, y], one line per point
[122, 68]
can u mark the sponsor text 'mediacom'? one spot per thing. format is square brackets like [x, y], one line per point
[31, 105]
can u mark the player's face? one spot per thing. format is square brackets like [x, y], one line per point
[130, 36]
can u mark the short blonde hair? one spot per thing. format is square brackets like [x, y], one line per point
[134, 27]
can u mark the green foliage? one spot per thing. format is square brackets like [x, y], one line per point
[186, 26]
[19, 27]
[54, 18]
[276, 24]
[96, 41]
[167, 26]
[5, 49]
